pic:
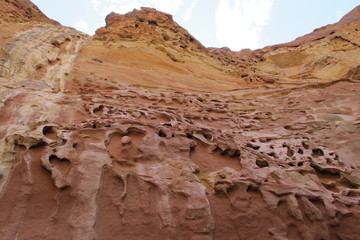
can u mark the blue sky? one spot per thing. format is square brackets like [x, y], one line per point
[215, 23]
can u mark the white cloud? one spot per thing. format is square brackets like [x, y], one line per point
[187, 14]
[96, 4]
[239, 22]
[104, 7]
[81, 25]
[340, 12]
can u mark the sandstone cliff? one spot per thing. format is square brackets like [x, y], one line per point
[140, 132]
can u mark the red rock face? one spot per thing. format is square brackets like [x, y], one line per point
[130, 135]
[147, 25]
[22, 11]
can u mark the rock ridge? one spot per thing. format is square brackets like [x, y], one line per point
[150, 26]
[22, 11]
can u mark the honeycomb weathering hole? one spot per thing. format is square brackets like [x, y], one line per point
[53, 158]
[317, 152]
[50, 132]
[63, 164]
[262, 163]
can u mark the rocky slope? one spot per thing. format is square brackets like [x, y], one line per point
[20, 11]
[140, 132]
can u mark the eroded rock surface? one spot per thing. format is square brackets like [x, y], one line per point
[115, 146]
[44, 53]
[16, 11]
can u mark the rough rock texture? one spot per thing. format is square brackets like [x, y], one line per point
[43, 53]
[22, 11]
[133, 135]
[147, 25]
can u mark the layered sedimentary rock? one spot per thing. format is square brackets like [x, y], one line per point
[140, 132]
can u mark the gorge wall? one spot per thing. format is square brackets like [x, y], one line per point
[140, 132]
